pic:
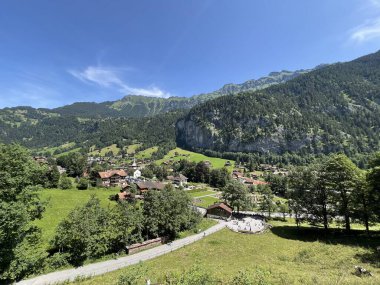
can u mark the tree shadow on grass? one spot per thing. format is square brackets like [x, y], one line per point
[355, 238]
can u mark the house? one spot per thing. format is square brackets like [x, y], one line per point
[145, 186]
[219, 211]
[207, 163]
[228, 163]
[136, 174]
[180, 180]
[112, 178]
[40, 159]
[123, 195]
[237, 174]
[250, 181]
[126, 195]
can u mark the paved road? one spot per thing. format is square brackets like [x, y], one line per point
[111, 265]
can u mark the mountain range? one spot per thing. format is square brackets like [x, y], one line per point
[331, 108]
[135, 106]
[335, 108]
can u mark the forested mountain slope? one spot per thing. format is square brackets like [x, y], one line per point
[55, 131]
[332, 109]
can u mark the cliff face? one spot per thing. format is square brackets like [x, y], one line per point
[332, 109]
[194, 135]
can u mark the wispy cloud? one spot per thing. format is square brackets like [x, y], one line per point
[370, 28]
[109, 77]
[367, 31]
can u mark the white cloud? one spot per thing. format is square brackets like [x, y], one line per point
[370, 28]
[366, 32]
[109, 77]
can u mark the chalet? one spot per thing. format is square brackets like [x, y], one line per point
[228, 163]
[145, 186]
[126, 195]
[40, 159]
[237, 175]
[219, 211]
[180, 180]
[112, 178]
[207, 163]
[250, 181]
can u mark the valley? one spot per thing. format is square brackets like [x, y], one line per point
[296, 151]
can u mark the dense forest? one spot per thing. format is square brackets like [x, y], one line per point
[332, 109]
[54, 131]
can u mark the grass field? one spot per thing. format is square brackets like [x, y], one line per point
[283, 255]
[205, 202]
[65, 149]
[102, 152]
[132, 148]
[146, 153]
[195, 193]
[193, 156]
[61, 202]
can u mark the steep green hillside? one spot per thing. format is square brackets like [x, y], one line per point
[57, 131]
[335, 108]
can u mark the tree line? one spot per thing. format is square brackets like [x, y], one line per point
[336, 188]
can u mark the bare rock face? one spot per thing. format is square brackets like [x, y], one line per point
[191, 133]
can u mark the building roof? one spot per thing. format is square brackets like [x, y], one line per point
[177, 178]
[110, 173]
[122, 195]
[222, 206]
[258, 182]
[237, 174]
[150, 185]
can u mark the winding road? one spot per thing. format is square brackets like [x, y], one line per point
[115, 264]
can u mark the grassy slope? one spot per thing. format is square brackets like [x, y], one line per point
[195, 193]
[115, 150]
[193, 156]
[61, 202]
[65, 148]
[205, 202]
[287, 257]
[132, 148]
[147, 153]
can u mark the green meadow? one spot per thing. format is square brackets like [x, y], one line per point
[193, 156]
[283, 255]
[59, 203]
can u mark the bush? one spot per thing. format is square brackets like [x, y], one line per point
[82, 184]
[65, 182]
[57, 260]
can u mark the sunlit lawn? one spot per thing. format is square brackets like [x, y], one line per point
[147, 153]
[193, 156]
[61, 202]
[283, 255]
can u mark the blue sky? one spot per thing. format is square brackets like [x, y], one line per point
[59, 52]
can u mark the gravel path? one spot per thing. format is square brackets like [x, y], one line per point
[115, 264]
